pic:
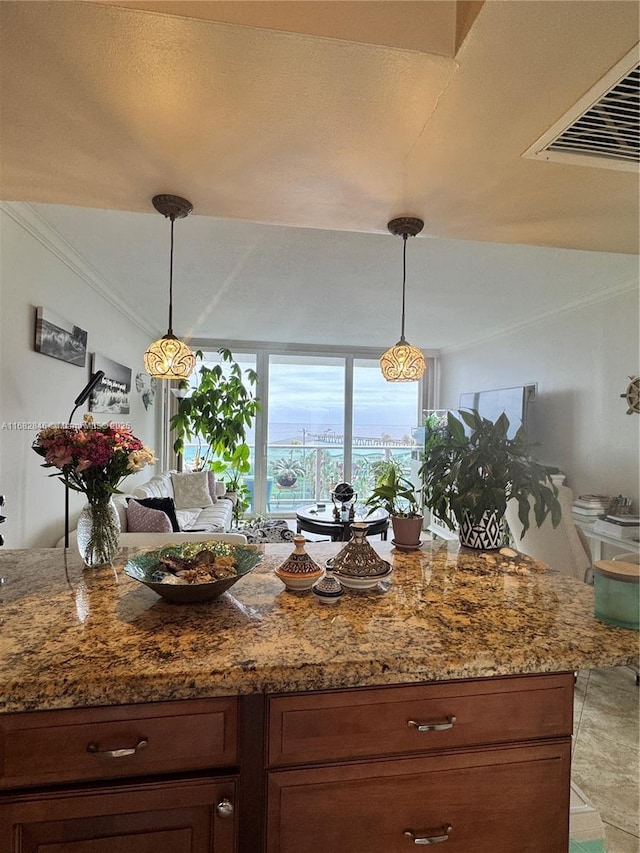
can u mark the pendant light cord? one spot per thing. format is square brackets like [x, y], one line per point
[404, 279]
[170, 332]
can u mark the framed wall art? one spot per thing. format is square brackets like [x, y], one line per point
[112, 394]
[59, 338]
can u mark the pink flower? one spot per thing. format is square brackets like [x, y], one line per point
[92, 458]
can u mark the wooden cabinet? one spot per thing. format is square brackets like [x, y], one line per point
[177, 816]
[483, 765]
[121, 779]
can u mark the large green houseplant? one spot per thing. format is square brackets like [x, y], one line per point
[217, 413]
[470, 474]
[396, 494]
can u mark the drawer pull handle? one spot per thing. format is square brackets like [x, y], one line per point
[117, 753]
[224, 808]
[429, 836]
[433, 727]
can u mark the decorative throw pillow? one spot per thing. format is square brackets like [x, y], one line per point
[165, 505]
[212, 487]
[191, 490]
[141, 519]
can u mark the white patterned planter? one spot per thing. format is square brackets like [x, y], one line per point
[485, 535]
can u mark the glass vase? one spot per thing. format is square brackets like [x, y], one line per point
[98, 532]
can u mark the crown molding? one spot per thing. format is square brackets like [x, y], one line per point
[625, 285]
[282, 348]
[24, 215]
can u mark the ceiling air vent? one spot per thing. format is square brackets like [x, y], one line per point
[603, 128]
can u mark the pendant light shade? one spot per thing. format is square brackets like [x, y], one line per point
[168, 357]
[403, 362]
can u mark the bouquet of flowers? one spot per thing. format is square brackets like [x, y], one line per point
[93, 458]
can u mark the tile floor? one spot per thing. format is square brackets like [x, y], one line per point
[606, 752]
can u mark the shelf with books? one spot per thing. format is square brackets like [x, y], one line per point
[620, 527]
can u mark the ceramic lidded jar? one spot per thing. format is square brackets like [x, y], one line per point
[357, 565]
[328, 589]
[299, 571]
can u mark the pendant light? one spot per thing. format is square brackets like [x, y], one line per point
[168, 357]
[402, 362]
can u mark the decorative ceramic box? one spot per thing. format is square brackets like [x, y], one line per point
[357, 565]
[299, 571]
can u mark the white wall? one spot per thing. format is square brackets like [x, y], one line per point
[35, 388]
[581, 360]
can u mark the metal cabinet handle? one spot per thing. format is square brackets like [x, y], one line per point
[448, 723]
[429, 836]
[94, 749]
[224, 808]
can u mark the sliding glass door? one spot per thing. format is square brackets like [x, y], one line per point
[384, 414]
[325, 418]
[306, 442]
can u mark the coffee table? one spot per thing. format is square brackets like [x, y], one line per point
[318, 519]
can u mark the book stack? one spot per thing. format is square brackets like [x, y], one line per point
[619, 526]
[589, 507]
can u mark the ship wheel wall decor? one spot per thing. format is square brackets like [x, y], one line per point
[632, 395]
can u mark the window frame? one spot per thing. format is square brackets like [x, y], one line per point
[427, 393]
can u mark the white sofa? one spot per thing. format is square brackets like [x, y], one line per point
[216, 518]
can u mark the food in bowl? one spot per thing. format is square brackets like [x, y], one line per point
[203, 567]
[193, 572]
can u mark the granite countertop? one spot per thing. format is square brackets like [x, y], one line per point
[73, 637]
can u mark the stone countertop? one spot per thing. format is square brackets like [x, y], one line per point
[74, 637]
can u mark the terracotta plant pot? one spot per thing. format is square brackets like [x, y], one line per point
[406, 531]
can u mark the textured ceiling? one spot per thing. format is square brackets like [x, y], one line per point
[290, 114]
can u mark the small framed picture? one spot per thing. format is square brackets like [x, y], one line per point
[59, 338]
[112, 394]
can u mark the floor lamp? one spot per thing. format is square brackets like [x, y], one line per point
[80, 399]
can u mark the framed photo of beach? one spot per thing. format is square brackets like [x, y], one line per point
[112, 394]
[60, 338]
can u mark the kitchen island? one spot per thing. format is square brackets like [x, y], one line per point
[437, 709]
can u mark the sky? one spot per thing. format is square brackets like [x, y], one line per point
[311, 396]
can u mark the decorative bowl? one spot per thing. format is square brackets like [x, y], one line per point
[146, 568]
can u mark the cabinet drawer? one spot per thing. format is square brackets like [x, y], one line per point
[348, 724]
[49, 747]
[511, 800]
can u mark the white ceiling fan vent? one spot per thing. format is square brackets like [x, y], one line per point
[603, 128]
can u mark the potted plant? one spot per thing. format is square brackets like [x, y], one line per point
[237, 491]
[286, 471]
[217, 413]
[396, 494]
[470, 474]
